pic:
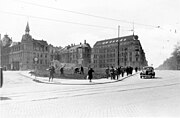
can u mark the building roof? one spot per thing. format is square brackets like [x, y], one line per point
[115, 40]
[74, 47]
[41, 42]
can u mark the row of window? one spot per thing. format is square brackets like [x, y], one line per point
[112, 55]
[112, 41]
[17, 48]
[113, 60]
[40, 55]
[108, 50]
[40, 48]
[41, 61]
[104, 44]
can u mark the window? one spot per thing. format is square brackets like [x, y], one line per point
[41, 61]
[136, 58]
[130, 59]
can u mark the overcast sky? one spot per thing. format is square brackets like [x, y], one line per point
[61, 22]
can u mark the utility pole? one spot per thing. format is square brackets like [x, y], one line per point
[133, 28]
[118, 31]
[0, 51]
[118, 43]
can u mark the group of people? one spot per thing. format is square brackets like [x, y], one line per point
[79, 70]
[115, 73]
[52, 72]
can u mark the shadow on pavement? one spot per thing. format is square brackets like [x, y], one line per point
[5, 98]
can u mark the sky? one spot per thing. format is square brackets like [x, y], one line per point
[65, 22]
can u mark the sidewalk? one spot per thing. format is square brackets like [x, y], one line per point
[63, 81]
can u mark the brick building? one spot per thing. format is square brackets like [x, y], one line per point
[122, 51]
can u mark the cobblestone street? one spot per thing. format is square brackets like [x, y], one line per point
[131, 97]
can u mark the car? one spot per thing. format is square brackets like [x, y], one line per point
[147, 72]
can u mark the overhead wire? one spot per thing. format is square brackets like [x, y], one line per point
[56, 20]
[86, 14]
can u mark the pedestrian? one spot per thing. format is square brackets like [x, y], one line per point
[127, 70]
[62, 70]
[131, 70]
[90, 74]
[116, 73]
[119, 71]
[112, 73]
[136, 69]
[107, 72]
[122, 71]
[51, 73]
[82, 70]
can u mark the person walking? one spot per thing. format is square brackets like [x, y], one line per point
[116, 73]
[82, 70]
[122, 71]
[136, 69]
[112, 73]
[107, 72]
[62, 70]
[119, 71]
[51, 73]
[90, 74]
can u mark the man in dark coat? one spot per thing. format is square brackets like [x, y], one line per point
[112, 73]
[90, 74]
[82, 70]
[51, 72]
[107, 72]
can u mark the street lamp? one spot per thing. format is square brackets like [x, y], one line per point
[118, 43]
[36, 60]
[125, 54]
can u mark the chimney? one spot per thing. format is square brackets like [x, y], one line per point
[84, 41]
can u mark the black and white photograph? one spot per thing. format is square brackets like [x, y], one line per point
[89, 59]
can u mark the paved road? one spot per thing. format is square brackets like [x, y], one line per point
[132, 97]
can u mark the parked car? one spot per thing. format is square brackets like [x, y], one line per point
[147, 72]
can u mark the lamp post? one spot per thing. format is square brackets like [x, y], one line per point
[118, 43]
[36, 60]
[125, 54]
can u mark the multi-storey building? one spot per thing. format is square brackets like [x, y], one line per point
[5, 51]
[121, 51]
[27, 54]
[78, 54]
